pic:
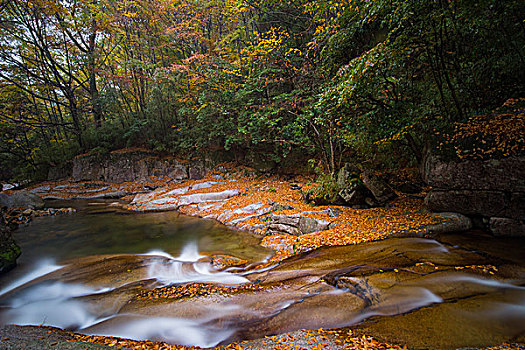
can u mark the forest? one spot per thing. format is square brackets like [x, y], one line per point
[375, 82]
[262, 174]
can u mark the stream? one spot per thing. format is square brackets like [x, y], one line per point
[84, 271]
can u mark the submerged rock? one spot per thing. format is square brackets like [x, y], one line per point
[21, 199]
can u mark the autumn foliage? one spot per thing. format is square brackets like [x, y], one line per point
[266, 80]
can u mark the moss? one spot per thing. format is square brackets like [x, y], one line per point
[9, 251]
[8, 254]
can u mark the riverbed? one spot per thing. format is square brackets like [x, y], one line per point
[106, 271]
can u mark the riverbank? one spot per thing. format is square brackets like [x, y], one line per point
[270, 207]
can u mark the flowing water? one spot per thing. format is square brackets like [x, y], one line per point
[83, 272]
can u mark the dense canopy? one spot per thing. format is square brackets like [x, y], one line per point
[326, 80]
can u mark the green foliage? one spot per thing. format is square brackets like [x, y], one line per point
[338, 80]
[324, 191]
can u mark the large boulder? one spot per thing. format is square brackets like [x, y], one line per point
[469, 202]
[493, 189]
[21, 199]
[355, 194]
[506, 226]
[380, 189]
[347, 175]
[130, 165]
[507, 174]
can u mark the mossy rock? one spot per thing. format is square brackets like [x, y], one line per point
[9, 252]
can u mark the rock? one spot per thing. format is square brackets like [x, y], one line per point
[177, 191]
[491, 190]
[40, 189]
[6, 187]
[506, 174]
[409, 187]
[347, 174]
[28, 212]
[207, 197]
[280, 206]
[145, 197]
[111, 194]
[453, 222]
[309, 225]
[196, 169]
[136, 165]
[61, 171]
[380, 189]
[470, 202]
[213, 206]
[354, 194]
[9, 251]
[371, 202]
[296, 225]
[334, 212]
[225, 215]
[506, 227]
[250, 208]
[21, 199]
[285, 220]
[281, 228]
[202, 185]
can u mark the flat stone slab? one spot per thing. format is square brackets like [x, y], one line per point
[207, 197]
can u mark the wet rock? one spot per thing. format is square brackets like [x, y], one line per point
[110, 194]
[506, 227]
[453, 222]
[21, 199]
[38, 338]
[380, 189]
[9, 250]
